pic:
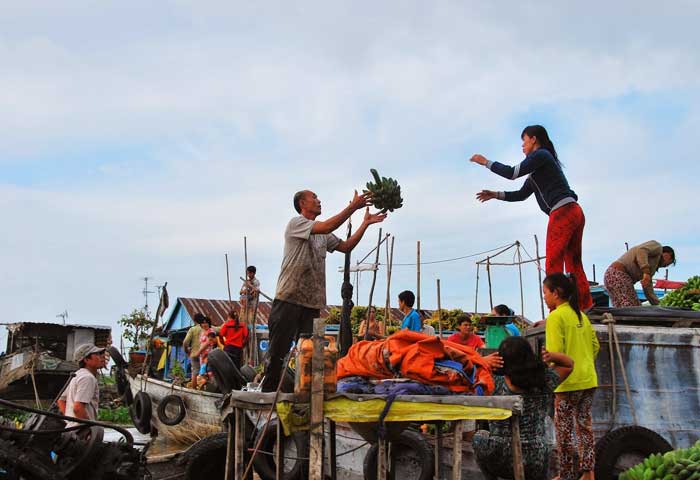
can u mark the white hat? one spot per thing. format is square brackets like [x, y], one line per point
[85, 350]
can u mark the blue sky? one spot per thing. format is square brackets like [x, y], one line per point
[149, 139]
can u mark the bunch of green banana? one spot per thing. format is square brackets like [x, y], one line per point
[688, 296]
[386, 193]
[683, 464]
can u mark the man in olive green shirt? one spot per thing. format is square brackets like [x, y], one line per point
[191, 344]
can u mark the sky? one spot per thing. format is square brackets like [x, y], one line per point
[149, 138]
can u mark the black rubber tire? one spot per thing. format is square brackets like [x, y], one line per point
[116, 357]
[162, 411]
[206, 459]
[227, 375]
[265, 465]
[248, 373]
[633, 440]
[128, 397]
[421, 455]
[141, 412]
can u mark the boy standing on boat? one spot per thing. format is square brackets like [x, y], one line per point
[191, 345]
[411, 319]
[249, 293]
[301, 287]
[82, 397]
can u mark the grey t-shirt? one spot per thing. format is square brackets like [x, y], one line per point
[83, 388]
[302, 280]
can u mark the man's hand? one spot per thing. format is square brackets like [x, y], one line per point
[646, 280]
[478, 158]
[486, 195]
[371, 218]
[360, 200]
[494, 361]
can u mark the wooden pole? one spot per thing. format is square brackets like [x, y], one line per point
[345, 333]
[488, 271]
[418, 276]
[539, 274]
[457, 451]
[520, 274]
[439, 310]
[279, 461]
[316, 430]
[228, 278]
[594, 273]
[518, 469]
[240, 443]
[476, 295]
[666, 285]
[374, 281]
[230, 447]
[390, 264]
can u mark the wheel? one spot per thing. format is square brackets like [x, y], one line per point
[624, 448]
[206, 459]
[141, 413]
[248, 373]
[116, 357]
[296, 453]
[227, 375]
[166, 407]
[412, 458]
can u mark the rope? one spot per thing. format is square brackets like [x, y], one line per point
[36, 391]
[503, 247]
[613, 341]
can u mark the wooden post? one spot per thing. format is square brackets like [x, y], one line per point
[374, 281]
[381, 459]
[279, 461]
[240, 443]
[230, 448]
[316, 430]
[594, 272]
[333, 460]
[666, 285]
[518, 469]
[439, 310]
[457, 451]
[476, 295]
[488, 271]
[228, 278]
[390, 264]
[539, 274]
[438, 449]
[520, 274]
[418, 276]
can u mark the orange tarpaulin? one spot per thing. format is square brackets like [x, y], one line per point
[412, 355]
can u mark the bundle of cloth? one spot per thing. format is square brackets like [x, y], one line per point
[424, 359]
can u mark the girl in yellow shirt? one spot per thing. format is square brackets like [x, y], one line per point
[569, 331]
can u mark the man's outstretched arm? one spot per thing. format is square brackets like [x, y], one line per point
[347, 245]
[332, 224]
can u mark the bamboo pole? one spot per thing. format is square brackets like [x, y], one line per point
[390, 264]
[439, 310]
[228, 278]
[539, 273]
[594, 273]
[418, 276]
[520, 275]
[316, 429]
[476, 295]
[374, 281]
[488, 271]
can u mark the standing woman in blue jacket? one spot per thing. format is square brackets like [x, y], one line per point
[546, 180]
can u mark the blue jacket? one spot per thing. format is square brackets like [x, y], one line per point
[545, 179]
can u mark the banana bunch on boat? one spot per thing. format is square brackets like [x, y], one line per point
[688, 296]
[386, 193]
[677, 464]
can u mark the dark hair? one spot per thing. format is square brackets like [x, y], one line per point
[667, 249]
[81, 363]
[540, 133]
[212, 335]
[463, 317]
[233, 315]
[565, 288]
[297, 200]
[521, 365]
[198, 317]
[503, 310]
[251, 268]
[408, 298]
[206, 319]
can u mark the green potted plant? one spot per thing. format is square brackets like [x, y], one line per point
[137, 328]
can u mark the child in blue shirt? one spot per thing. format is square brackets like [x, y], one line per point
[411, 319]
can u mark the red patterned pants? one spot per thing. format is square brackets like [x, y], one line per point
[564, 238]
[572, 414]
[620, 286]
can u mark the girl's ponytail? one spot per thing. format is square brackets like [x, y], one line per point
[565, 288]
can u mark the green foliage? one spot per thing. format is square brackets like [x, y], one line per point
[137, 327]
[114, 415]
[688, 296]
[177, 373]
[357, 314]
[18, 416]
[676, 464]
[449, 319]
[334, 316]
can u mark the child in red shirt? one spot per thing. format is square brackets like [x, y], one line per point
[235, 334]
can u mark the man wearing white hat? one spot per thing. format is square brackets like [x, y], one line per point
[82, 397]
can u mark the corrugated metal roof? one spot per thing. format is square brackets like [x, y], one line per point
[20, 325]
[217, 310]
